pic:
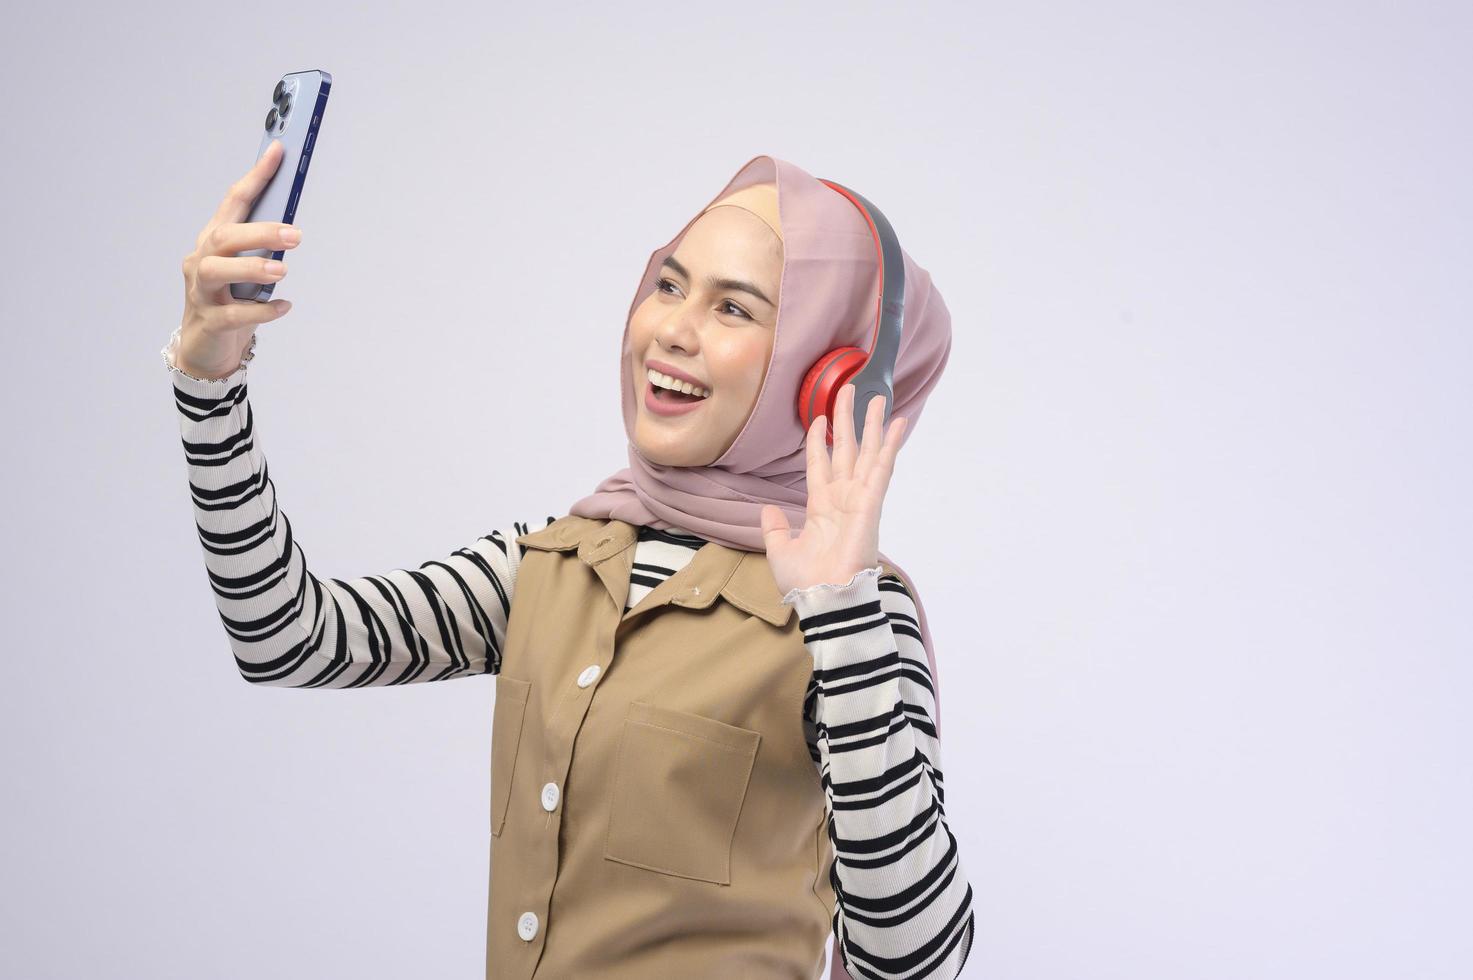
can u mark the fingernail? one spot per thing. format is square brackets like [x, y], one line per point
[291, 236]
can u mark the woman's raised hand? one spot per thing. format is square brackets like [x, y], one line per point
[841, 525]
[217, 328]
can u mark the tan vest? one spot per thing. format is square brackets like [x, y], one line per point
[654, 809]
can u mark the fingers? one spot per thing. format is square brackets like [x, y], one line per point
[879, 474]
[844, 449]
[776, 532]
[895, 438]
[869, 447]
[215, 271]
[243, 193]
[244, 312]
[228, 239]
[850, 461]
[819, 472]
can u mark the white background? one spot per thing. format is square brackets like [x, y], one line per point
[1188, 511]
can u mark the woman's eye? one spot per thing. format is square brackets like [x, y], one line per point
[662, 282]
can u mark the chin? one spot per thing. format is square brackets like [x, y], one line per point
[667, 455]
[664, 458]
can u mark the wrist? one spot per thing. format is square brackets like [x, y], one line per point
[176, 361]
[201, 374]
[860, 582]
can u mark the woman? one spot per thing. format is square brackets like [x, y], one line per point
[687, 780]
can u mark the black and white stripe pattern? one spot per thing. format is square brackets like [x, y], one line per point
[658, 554]
[904, 903]
[289, 628]
[868, 716]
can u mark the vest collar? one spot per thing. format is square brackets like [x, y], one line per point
[740, 577]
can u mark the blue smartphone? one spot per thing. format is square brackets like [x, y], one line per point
[297, 103]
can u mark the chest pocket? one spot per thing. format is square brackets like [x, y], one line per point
[506, 737]
[680, 779]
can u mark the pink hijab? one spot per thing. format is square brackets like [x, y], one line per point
[828, 296]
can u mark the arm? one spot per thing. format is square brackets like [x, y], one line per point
[904, 902]
[287, 627]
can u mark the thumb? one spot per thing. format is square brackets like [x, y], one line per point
[775, 529]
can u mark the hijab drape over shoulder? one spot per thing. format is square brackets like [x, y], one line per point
[828, 296]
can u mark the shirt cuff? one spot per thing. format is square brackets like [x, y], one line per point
[211, 385]
[864, 585]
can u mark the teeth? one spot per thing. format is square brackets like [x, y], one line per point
[665, 381]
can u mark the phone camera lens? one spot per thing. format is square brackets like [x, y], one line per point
[284, 104]
[276, 92]
[271, 119]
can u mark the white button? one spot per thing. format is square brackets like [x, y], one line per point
[549, 797]
[527, 926]
[589, 675]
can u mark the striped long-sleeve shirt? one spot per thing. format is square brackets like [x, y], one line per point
[903, 902]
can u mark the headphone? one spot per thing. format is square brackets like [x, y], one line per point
[870, 371]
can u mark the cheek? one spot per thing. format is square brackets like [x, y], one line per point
[639, 344]
[739, 361]
[641, 326]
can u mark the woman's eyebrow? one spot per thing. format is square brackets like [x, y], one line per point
[716, 282]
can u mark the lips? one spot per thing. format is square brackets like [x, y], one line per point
[659, 407]
[675, 373]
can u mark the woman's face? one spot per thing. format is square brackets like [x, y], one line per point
[701, 324]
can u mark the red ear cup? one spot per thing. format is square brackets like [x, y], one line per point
[822, 383]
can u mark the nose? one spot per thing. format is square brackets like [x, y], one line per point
[678, 332]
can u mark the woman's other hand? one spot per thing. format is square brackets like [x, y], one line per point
[217, 328]
[841, 529]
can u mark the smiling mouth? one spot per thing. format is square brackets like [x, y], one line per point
[672, 390]
[663, 402]
[673, 397]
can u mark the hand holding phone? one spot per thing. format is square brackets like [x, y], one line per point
[216, 329]
[294, 117]
[241, 246]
